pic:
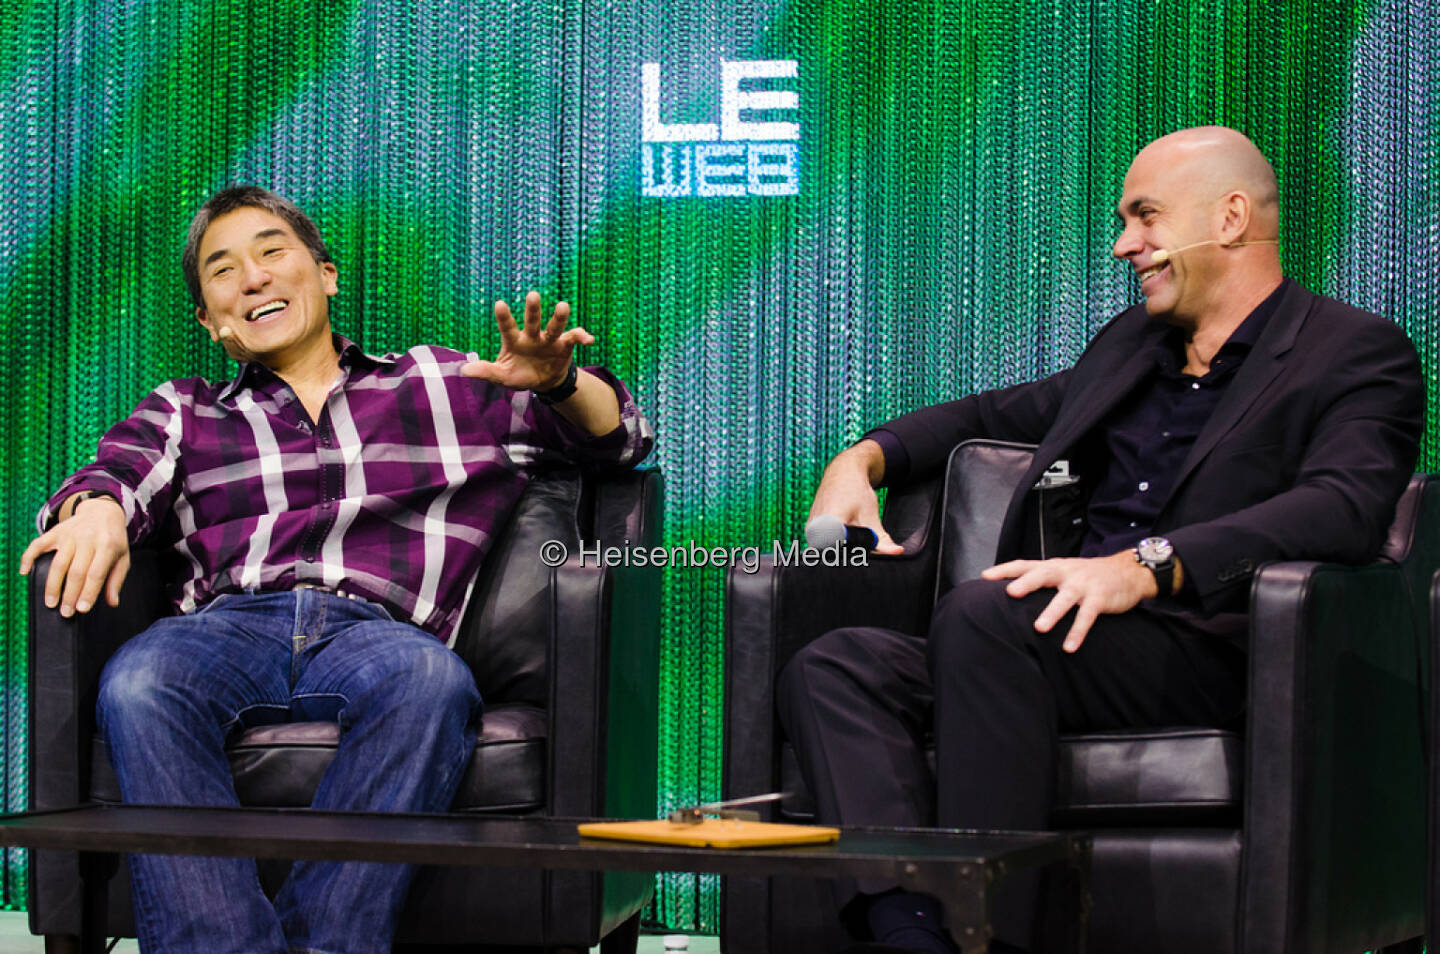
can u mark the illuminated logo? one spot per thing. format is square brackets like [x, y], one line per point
[734, 157]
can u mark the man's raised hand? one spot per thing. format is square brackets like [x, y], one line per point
[535, 357]
[91, 552]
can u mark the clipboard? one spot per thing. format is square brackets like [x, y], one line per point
[711, 833]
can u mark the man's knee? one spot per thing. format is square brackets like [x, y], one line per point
[837, 656]
[977, 620]
[137, 679]
[429, 672]
[816, 669]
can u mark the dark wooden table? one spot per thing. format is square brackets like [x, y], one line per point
[958, 867]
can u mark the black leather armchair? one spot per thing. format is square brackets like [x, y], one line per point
[1301, 831]
[1432, 920]
[567, 665]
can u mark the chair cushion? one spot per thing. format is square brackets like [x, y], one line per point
[280, 765]
[1156, 776]
[1183, 776]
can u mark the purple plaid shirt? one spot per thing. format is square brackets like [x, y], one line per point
[393, 495]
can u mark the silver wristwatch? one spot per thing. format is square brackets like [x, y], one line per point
[1158, 556]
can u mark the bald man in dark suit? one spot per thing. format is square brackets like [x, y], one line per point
[1234, 418]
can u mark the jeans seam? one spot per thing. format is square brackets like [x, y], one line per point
[456, 776]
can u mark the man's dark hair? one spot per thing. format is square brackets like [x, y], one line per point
[244, 197]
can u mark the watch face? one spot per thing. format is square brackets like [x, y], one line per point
[1154, 550]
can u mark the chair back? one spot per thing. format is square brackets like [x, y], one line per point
[505, 636]
[980, 479]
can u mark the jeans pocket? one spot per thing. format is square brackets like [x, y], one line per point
[213, 603]
[382, 610]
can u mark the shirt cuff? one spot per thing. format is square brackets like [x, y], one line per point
[897, 458]
[47, 517]
[626, 445]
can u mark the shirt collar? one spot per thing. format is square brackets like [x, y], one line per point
[1252, 327]
[1241, 340]
[351, 355]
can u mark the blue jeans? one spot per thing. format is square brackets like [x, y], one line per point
[172, 697]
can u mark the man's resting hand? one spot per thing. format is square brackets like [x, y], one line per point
[91, 551]
[847, 492]
[1112, 584]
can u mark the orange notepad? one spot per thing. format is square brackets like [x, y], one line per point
[711, 833]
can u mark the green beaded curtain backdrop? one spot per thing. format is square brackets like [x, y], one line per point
[875, 205]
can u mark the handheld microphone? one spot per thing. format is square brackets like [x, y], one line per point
[827, 531]
[1163, 255]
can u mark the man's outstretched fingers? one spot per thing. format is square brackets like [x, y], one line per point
[532, 314]
[558, 320]
[575, 337]
[505, 321]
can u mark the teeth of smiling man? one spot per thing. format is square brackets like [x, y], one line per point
[266, 309]
[1151, 271]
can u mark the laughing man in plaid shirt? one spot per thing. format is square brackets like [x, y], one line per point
[329, 509]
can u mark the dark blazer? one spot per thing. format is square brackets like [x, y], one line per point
[1304, 457]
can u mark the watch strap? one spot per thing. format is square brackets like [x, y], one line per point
[564, 389]
[1164, 576]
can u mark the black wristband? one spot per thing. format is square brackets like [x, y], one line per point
[564, 389]
[80, 498]
[85, 495]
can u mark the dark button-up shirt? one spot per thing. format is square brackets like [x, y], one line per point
[1146, 438]
[1149, 434]
[393, 494]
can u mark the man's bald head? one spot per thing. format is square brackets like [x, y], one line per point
[1200, 218]
[1216, 160]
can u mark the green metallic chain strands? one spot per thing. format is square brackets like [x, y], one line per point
[956, 167]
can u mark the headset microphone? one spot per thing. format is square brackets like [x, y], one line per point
[1163, 255]
[236, 350]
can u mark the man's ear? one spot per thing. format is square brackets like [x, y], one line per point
[329, 278]
[204, 319]
[1236, 212]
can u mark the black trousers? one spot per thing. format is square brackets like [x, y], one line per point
[858, 705]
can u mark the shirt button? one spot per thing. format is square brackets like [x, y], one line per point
[1132, 523]
[1195, 386]
[1164, 433]
[1144, 485]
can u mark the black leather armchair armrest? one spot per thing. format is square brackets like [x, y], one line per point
[1334, 809]
[66, 659]
[774, 611]
[605, 639]
[1432, 913]
[605, 661]
[604, 695]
